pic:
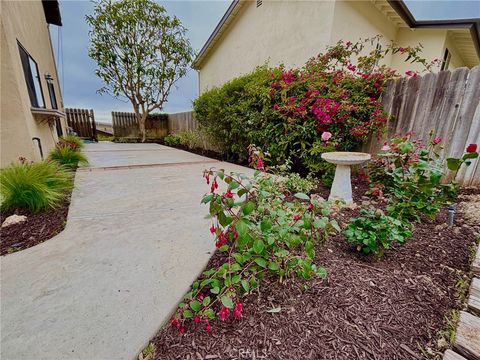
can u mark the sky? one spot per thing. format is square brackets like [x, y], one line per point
[77, 71]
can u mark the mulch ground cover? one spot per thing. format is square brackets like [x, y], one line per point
[38, 228]
[366, 308]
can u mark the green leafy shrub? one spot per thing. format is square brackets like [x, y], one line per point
[328, 104]
[411, 173]
[375, 232]
[71, 141]
[68, 157]
[260, 234]
[172, 140]
[190, 138]
[34, 186]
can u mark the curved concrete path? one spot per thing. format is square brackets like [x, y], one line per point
[135, 239]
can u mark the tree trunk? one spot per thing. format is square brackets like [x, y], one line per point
[141, 125]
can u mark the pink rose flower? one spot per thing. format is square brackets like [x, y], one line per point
[326, 136]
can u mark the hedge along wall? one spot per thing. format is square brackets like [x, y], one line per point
[447, 102]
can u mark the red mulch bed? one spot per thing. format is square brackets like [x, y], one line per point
[366, 308]
[38, 228]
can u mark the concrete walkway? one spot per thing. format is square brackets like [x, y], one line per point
[135, 240]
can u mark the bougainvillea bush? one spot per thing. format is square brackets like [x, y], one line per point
[297, 114]
[262, 234]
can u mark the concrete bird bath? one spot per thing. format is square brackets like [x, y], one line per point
[342, 185]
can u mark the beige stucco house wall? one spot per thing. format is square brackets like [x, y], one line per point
[24, 22]
[290, 32]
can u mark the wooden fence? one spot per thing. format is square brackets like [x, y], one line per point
[446, 102]
[181, 121]
[125, 125]
[82, 121]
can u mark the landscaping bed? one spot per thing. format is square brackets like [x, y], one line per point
[393, 307]
[38, 227]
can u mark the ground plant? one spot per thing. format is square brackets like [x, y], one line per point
[261, 234]
[68, 157]
[34, 186]
[374, 232]
[191, 139]
[411, 173]
[171, 140]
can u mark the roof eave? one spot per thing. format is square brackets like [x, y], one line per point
[51, 9]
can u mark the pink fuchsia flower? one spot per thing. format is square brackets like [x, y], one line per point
[212, 229]
[229, 194]
[410, 73]
[437, 140]
[237, 311]
[197, 319]
[472, 148]
[326, 136]
[260, 164]
[297, 217]
[223, 313]
[351, 67]
[402, 50]
[385, 148]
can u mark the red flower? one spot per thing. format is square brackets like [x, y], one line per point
[224, 312]
[437, 141]
[175, 323]
[212, 229]
[237, 311]
[222, 240]
[297, 217]
[197, 319]
[182, 330]
[229, 194]
[260, 164]
[208, 328]
[402, 50]
[310, 207]
[472, 148]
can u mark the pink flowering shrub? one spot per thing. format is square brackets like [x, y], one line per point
[260, 233]
[290, 112]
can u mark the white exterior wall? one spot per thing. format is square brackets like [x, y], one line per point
[291, 32]
[288, 32]
[361, 19]
[433, 41]
[24, 21]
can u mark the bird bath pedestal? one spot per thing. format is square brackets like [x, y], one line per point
[342, 185]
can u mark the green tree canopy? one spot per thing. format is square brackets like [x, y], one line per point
[140, 51]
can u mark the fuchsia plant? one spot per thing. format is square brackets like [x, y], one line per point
[260, 233]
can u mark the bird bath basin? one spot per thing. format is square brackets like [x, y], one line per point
[342, 184]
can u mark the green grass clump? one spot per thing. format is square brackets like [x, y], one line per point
[34, 186]
[68, 157]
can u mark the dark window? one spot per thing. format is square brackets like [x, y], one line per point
[51, 91]
[58, 126]
[446, 60]
[32, 78]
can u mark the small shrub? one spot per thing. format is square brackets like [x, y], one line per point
[103, 137]
[190, 138]
[68, 157]
[410, 173]
[172, 140]
[34, 186]
[71, 141]
[297, 184]
[375, 232]
[261, 235]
